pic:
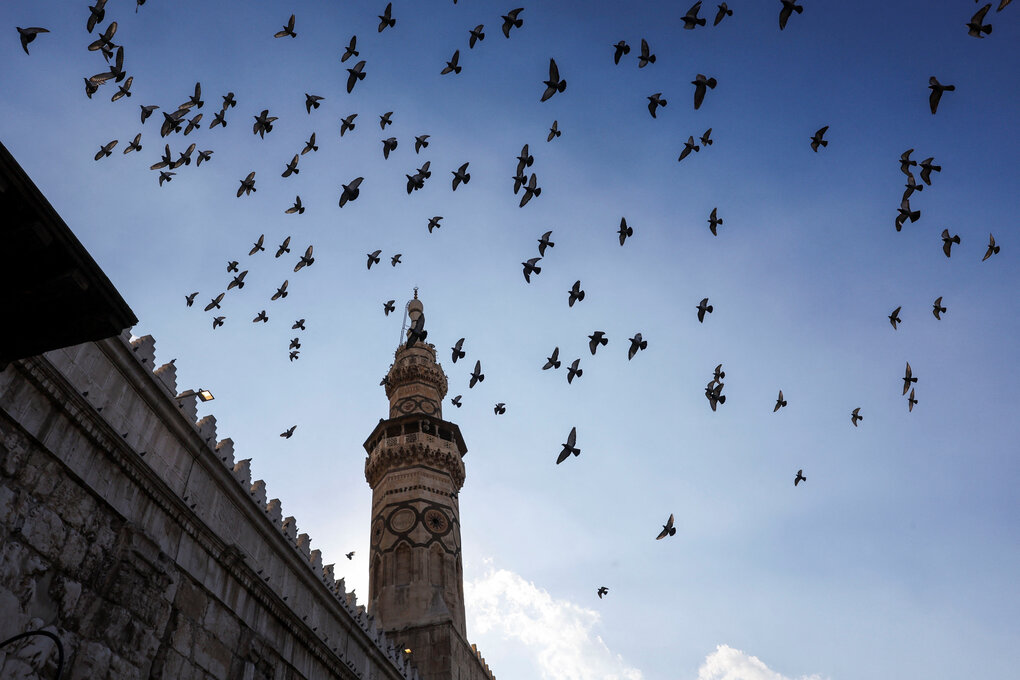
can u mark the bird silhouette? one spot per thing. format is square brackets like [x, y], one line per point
[789, 7]
[948, 241]
[703, 308]
[218, 321]
[992, 248]
[554, 84]
[575, 294]
[780, 402]
[165, 176]
[389, 306]
[203, 156]
[937, 89]
[654, 102]
[147, 111]
[724, 11]
[350, 555]
[602, 591]
[373, 258]
[283, 247]
[511, 20]
[292, 168]
[894, 318]
[388, 145]
[691, 19]
[29, 34]
[386, 19]
[247, 185]
[421, 142]
[238, 281]
[927, 168]
[706, 138]
[215, 303]
[569, 447]
[499, 409]
[476, 35]
[713, 222]
[667, 529]
[701, 86]
[461, 175]
[296, 208]
[299, 325]
[855, 416]
[554, 131]
[294, 354]
[96, 14]
[232, 266]
[911, 186]
[458, 350]
[281, 292]
[816, 139]
[937, 308]
[906, 163]
[595, 339]
[799, 478]
[904, 213]
[434, 223]
[573, 371]
[544, 243]
[531, 189]
[646, 57]
[288, 29]
[908, 378]
[105, 150]
[619, 49]
[354, 75]
[531, 268]
[289, 432]
[263, 123]
[312, 102]
[351, 191]
[476, 375]
[261, 316]
[306, 260]
[310, 145]
[624, 231]
[417, 332]
[975, 27]
[190, 299]
[395, 260]
[385, 120]
[456, 401]
[257, 246]
[551, 361]
[911, 402]
[347, 123]
[453, 66]
[637, 343]
[689, 146]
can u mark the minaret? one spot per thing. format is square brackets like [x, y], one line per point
[414, 467]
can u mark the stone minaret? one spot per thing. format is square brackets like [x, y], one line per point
[415, 470]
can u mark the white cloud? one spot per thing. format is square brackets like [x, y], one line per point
[726, 663]
[559, 631]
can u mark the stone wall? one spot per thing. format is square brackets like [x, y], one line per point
[130, 532]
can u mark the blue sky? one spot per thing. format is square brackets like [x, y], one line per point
[897, 558]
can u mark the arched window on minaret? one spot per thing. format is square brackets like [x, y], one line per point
[436, 570]
[403, 570]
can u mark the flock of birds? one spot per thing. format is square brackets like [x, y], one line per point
[186, 118]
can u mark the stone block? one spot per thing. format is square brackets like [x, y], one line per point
[242, 472]
[92, 660]
[225, 451]
[167, 374]
[211, 654]
[144, 349]
[258, 493]
[191, 601]
[275, 511]
[44, 531]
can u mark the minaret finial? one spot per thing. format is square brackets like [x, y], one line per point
[416, 292]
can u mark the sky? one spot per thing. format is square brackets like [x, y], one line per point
[896, 558]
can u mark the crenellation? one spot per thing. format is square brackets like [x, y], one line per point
[167, 374]
[207, 430]
[258, 493]
[304, 543]
[289, 528]
[242, 473]
[316, 561]
[225, 451]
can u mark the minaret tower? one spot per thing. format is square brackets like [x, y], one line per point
[414, 467]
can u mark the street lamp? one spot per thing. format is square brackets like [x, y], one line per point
[203, 395]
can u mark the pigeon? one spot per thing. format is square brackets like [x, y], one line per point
[417, 331]
[554, 131]
[570, 447]
[894, 318]
[476, 375]
[147, 111]
[530, 189]
[203, 156]
[389, 306]
[456, 401]
[544, 243]
[701, 86]
[296, 208]
[434, 223]
[948, 241]
[232, 266]
[453, 66]
[386, 19]
[347, 123]
[292, 168]
[350, 191]
[310, 145]
[125, 91]
[654, 102]
[373, 258]
[388, 144]
[911, 187]
[184, 158]
[281, 292]
[575, 293]
[595, 339]
[799, 478]
[602, 591]
[312, 102]
[992, 248]
[1002, 4]
[911, 402]
[789, 7]
[780, 402]
[458, 350]
[906, 163]
[531, 268]
[573, 371]
[355, 74]
[195, 99]
[165, 176]
[552, 361]
[104, 42]
[908, 378]
[350, 555]
[287, 30]
[510, 20]
[667, 529]
[218, 119]
[499, 409]
[105, 150]
[385, 120]
[96, 14]
[724, 11]
[218, 321]
[228, 100]
[395, 260]
[295, 344]
[554, 84]
[91, 87]
[706, 139]
[905, 213]
[624, 230]
[351, 50]
[645, 58]
[306, 260]
[927, 168]
[718, 374]
[937, 89]
[636, 344]
[247, 185]
[190, 299]
[713, 392]
[29, 34]
[476, 35]
[702, 308]
[937, 308]
[238, 281]
[975, 27]
[689, 146]
[525, 159]
[421, 142]
[258, 245]
[855, 415]
[520, 179]
[691, 19]
[817, 140]
[288, 433]
[298, 325]
[713, 222]
[215, 302]
[461, 175]
[263, 123]
[619, 49]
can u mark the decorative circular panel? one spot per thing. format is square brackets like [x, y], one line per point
[402, 520]
[436, 521]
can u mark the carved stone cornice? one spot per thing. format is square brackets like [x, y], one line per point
[387, 457]
[402, 374]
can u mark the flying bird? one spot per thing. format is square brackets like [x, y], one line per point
[373, 258]
[780, 402]
[347, 123]
[531, 268]
[799, 478]
[702, 308]
[453, 65]
[96, 14]
[894, 318]
[190, 299]
[789, 7]
[218, 321]
[906, 163]
[904, 213]
[296, 208]
[499, 409]
[602, 591]
[476, 375]
[417, 331]
[619, 49]
[281, 292]
[421, 142]
[554, 131]
[530, 189]
[461, 175]
[295, 344]
[645, 58]
[992, 248]
[351, 50]
[386, 19]
[570, 447]
[298, 325]
[228, 100]
[355, 74]
[948, 241]
[288, 29]
[312, 102]
[165, 176]
[637, 343]
[654, 102]
[713, 222]
[667, 529]
[855, 415]
[701, 86]
[306, 260]
[125, 91]
[288, 433]
[625, 232]
[937, 308]
[573, 371]
[395, 260]
[105, 150]
[911, 402]
[388, 144]
[456, 401]
[263, 123]
[351, 191]
[203, 156]
[258, 245]
[476, 35]
[510, 20]
[385, 119]
[247, 185]
[910, 187]
[544, 243]
[147, 110]
[389, 306]
[551, 361]
[350, 555]
[595, 339]
[554, 84]
[691, 19]
[310, 145]
[458, 350]
[164, 161]
[238, 281]
[817, 140]
[937, 89]
[975, 27]
[215, 302]
[29, 34]
[724, 11]
[219, 118]
[689, 146]
[575, 293]
[434, 222]
[292, 168]
[908, 378]
[927, 168]
[706, 138]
